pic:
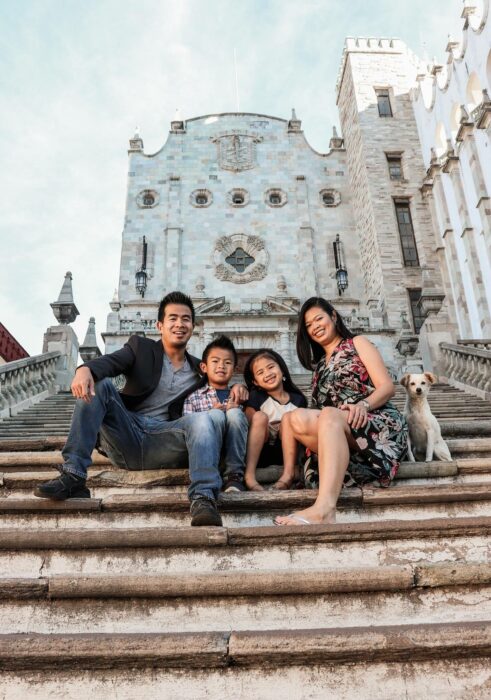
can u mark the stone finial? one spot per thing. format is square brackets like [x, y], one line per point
[450, 151]
[177, 124]
[89, 349]
[137, 327]
[452, 44]
[115, 304]
[434, 157]
[281, 286]
[64, 308]
[294, 124]
[136, 143]
[468, 9]
[199, 287]
[336, 141]
[485, 96]
[464, 114]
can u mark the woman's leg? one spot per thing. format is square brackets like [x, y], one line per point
[256, 438]
[333, 445]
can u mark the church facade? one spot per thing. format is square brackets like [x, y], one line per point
[238, 211]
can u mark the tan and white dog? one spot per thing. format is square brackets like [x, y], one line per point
[425, 436]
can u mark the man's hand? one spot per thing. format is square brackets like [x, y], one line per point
[83, 386]
[238, 394]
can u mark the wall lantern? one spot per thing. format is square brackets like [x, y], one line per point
[141, 275]
[341, 271]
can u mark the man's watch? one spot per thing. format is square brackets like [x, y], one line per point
[365, 403]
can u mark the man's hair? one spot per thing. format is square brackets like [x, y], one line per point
[175, 298]
[223, 342]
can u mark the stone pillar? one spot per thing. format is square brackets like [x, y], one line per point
[89, 349]
[62, 339]
[173, 238]
[284, 344]
[307, 268]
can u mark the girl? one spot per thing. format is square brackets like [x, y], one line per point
[272, 395]
[354, 428]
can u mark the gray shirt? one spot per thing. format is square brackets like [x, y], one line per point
[172, 383]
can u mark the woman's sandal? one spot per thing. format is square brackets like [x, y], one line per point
[298, 518]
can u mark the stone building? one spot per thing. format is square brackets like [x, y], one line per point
[453, 113]
[392, 224]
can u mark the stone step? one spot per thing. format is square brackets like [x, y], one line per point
[269, 648]
[246, 600]
[468, 676]
[153, 550]
[172, 509]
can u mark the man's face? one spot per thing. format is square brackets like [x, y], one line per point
[219, 367]
[176, 328]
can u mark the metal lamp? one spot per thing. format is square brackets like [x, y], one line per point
[141, 275]
[341, 271]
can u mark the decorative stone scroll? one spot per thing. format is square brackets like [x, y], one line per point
[254, 246]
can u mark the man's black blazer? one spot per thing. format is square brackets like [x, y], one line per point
[140, 360]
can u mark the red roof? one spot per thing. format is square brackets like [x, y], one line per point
[10, 349]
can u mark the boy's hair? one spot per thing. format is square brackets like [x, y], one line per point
[276, 357]
[223, 342]
[175, 298]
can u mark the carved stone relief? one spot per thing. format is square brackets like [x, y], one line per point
[254, 246]
[236, 151]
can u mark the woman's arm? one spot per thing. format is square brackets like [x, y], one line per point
[377, 371]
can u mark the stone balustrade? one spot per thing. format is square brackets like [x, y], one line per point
[468, 367]
[25, 382]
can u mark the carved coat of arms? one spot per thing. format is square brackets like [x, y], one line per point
[237, 151]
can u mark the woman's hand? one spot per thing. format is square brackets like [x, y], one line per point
[357, 414]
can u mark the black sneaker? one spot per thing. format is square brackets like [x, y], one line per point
[234, 483]
[204, 512]
[65, 486]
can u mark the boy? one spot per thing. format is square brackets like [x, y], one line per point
[217, 365]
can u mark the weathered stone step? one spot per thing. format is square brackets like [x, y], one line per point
[240, 582]
[400, 680]
[172, 510]
[164, 550]
[247, 649]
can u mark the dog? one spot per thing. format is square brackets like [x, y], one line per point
[425, 435]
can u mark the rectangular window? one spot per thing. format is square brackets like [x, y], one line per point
[414, 297]
[383, 103]
[406, 233]
[395, 167]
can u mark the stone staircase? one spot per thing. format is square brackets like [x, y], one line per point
[116, 596]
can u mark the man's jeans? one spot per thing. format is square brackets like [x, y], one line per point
[235, 441]
[135, 441]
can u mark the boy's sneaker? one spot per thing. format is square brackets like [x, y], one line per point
[65, 486]
[204, 512]
[234, 484]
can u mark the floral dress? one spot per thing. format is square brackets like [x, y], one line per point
[382, 441]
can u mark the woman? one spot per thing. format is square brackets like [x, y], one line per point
[353, 429]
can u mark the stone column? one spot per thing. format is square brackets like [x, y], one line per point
[284, 344]
[468, 236]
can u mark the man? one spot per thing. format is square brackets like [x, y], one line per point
[141, 427]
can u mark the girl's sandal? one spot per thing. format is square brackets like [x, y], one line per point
[282, 485]
[255, 487]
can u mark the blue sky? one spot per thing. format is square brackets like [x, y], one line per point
[77, 77]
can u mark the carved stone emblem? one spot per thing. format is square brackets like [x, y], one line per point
[240, 258]
[237, 151]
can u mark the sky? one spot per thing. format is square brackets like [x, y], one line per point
[77, 77]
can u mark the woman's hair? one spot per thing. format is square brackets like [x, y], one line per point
[309, 352]
[272, 355]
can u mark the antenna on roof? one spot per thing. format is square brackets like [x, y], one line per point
[237, 104]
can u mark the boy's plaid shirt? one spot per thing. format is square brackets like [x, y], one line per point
[200, 400]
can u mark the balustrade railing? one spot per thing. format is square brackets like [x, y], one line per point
[25, 382]
[468, 367]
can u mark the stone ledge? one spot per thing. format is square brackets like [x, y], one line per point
[446, 493]
[384, 643]
[46, 505]
[60, 651]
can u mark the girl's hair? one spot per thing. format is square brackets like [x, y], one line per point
[272, 355]
[309, 352]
